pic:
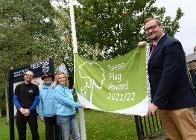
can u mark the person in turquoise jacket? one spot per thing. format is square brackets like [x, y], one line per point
[66, 108]
[47, 110]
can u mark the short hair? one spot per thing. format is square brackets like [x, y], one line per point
[66, 77]
[29, 72]
[158, 21]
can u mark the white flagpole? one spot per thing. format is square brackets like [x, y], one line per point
[75, 50]
[73, 27]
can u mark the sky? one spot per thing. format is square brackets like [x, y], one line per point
[187, 30]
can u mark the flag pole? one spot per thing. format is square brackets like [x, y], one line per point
[73, 27]
[75, 50]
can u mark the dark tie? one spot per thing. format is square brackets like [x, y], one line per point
[153, 47]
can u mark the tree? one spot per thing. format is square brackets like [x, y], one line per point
[32, 30]
[113, 27]
[27, 29]
[29, 33]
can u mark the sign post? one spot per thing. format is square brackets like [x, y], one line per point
[11, 106]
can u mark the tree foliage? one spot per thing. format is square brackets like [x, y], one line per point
[32, 30]
[27, 27]
[113, 27]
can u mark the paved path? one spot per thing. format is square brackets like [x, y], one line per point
[163, 137]
[160, 136]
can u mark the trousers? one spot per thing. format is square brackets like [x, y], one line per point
[21, 124]
[51, 131]
[179, 124]
[67, 124]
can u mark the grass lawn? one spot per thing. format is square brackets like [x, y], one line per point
[99, 126]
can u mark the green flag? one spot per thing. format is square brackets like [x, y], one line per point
[116, 85]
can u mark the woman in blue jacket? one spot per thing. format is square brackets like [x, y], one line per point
[65, 105]
[47, 110]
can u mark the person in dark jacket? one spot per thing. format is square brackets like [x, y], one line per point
[26, 98]
[171, 92]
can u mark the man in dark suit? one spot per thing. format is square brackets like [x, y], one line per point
[171, 92]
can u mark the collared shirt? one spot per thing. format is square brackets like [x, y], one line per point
[156, 42]
[46, 105]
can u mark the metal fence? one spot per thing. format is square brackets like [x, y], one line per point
[147, 126]
[192, 78]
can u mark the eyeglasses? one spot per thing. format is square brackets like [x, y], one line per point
[150, 28]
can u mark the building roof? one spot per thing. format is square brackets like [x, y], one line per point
[191, 57]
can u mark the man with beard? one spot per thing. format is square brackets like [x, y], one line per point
[26, 99]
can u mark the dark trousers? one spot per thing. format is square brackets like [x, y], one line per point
[51, 132]
[21, 122]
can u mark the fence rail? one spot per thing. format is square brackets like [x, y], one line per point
[149, 126]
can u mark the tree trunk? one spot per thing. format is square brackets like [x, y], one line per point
[7, 107]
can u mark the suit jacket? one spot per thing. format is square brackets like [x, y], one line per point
[170, 87]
